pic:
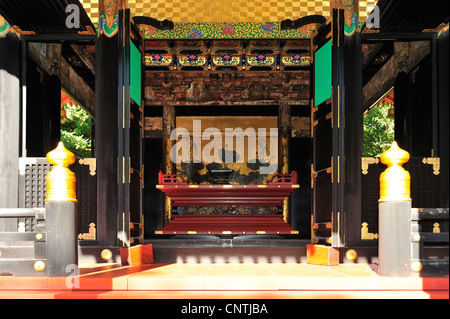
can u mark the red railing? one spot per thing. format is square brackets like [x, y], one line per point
[180, 179]
[171, 179]
[283, 178]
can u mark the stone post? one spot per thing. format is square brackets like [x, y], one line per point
[394, 205]
[61, 214]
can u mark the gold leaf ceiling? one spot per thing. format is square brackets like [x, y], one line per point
[227, 11]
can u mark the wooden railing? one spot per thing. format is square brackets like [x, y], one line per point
[52, 246]
[419, 262]
[24, 253]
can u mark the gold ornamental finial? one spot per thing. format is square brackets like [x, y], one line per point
[395, 180]
[61, 181]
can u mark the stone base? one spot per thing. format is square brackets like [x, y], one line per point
[137, 255]
[322, 255]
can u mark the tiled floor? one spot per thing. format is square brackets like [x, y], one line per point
[274, 280]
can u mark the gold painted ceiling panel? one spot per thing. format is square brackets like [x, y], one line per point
[258, 11]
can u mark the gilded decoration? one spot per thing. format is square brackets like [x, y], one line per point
[92, 162]
[91, 235]
[4, 27]
[365, 235]
[109, 17]
[435, 161]
[395, 180]
[234, 11]
[208, 19]
[366, 161]
[61, 181]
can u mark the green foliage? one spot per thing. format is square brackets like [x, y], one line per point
[378, 130]
[76, 131]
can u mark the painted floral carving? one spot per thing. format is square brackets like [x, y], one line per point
[192, 58]
[228, 29]
[296, 57]
[109, 17]
[226, 58]
[261, 58]
[195, 34]
[157, 58]
[268, 27]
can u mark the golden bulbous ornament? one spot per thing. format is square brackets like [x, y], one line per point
[61, 181]
[395, 180]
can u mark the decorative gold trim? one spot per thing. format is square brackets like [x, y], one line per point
[91, 235]
[106, 254]
[435, 161]
[366, 161]
[92, 162]
[365, 233]
[39, 266]
[436, 228]
[351, 254]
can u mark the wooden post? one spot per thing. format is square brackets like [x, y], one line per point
[10, 107]
[284, 135]
[107, 121]
[169, 166]
[351, 14]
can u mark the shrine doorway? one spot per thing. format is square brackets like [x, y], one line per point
[292, 220]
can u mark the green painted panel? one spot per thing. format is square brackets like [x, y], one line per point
[322, 74]
[135, 74]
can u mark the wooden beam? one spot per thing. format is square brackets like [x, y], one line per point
[379, 84]
[48, 57]
[168, 124]
[406, 56]
[85, 56]
[226, 103]
[77, 87]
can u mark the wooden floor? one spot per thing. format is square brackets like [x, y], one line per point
[225, 281]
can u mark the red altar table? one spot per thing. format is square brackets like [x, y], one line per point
[182, 193]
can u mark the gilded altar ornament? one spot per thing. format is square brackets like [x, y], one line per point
[395, 180]
[61, 181]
